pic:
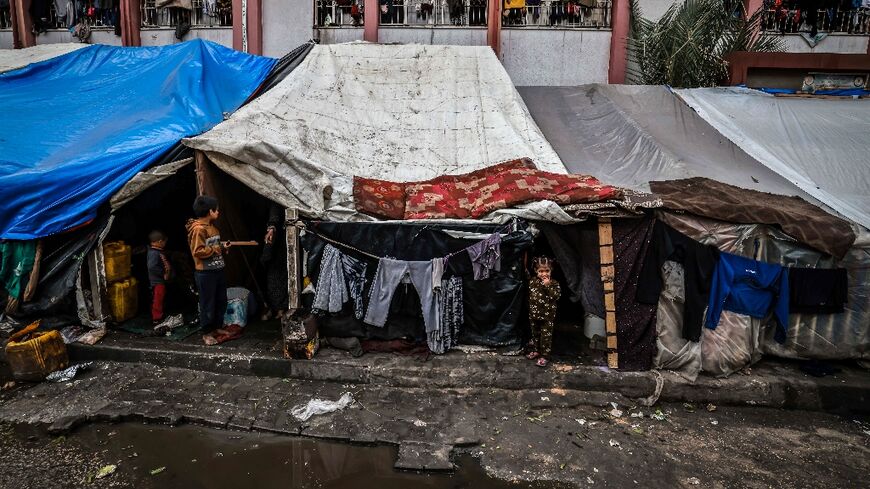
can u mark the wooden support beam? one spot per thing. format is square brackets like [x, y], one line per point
[293, 254]
[608, 275]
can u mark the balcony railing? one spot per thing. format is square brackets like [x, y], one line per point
[202, 13]
[339, 13]
[572, 14]
[433, 13]
[831, 20]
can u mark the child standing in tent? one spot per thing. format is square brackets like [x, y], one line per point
[159, 272]
[544, 293]
[205, 244]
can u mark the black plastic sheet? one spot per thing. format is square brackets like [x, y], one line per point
[493, 307]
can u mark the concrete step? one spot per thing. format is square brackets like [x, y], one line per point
[771, 383]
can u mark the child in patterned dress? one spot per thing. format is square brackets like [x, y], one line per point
[544, 295]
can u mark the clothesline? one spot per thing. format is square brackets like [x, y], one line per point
[301, 226]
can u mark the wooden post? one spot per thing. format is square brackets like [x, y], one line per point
[608, 275]
[97, 275]
[292, 233]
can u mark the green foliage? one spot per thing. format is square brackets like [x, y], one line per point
[687, 46]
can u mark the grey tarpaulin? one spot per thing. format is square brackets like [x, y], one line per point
[819, 145]
[629, 135]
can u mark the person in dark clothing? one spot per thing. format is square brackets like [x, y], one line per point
[698, 260]
[274, 259]
[159, 272]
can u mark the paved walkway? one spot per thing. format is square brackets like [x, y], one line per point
[549, 434]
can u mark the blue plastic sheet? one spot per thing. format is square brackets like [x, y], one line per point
[77, 127]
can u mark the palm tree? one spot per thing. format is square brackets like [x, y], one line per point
[688, 45]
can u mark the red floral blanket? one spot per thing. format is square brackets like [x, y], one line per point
[473, 195]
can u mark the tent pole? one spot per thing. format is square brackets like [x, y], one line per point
[292, 233]
[608, 274]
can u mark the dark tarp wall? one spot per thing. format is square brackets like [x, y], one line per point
[494, 308]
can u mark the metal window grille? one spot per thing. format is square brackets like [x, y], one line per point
[339, 13]
[560, 14]
[784, 19]
[433, 13]
[202, 13]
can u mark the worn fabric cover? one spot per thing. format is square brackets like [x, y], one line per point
[115, 111]
[635, 321]
[576, 250]
[476, 194]
[797, 217]
[403, 112]
[16, 262]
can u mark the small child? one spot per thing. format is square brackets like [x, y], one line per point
[205, 245]
[544, 295]
[159, 272]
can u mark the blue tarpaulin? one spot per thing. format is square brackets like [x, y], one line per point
[77, 127]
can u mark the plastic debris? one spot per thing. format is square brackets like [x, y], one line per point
[658, 415]
[106, 471]
[714, 422]
[545, 398]
[581, 421]
[637, 415]
[315, 407]
[92, 336]
[616, 413]
[420, 423]
[711, 407]
[67, 373]
[688, 406]
[693, 481]
[158, 470]
[8, 385]
[589, 480]
[614, 443]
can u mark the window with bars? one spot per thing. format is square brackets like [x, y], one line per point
[170, 13]
[557, 13]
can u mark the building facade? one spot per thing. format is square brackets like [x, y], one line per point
[540, 42]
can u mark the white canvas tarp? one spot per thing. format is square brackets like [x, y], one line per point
[12, 59]
[819, 145]
[402, 113]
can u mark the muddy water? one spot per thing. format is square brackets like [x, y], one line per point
[196, 457]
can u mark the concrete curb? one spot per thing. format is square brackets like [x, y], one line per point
[773, 384]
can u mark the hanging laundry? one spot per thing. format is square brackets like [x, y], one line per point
[17, 259]
[698, 262]
[355, 275]
[388, 276]
[450, 316]
[485, 256]
[750, 287]
[817, 290]
[331, 292]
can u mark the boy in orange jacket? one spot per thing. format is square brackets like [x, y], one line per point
[205, 244]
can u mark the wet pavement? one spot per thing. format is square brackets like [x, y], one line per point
[552, 435]
[189, 457]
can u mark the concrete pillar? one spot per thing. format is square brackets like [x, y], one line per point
[752, 5]
[493, 25]
[22, 24]
[131, 22]
[248, 31]
[371, 20]
[620, 17]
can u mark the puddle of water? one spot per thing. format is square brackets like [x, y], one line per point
[197, 457]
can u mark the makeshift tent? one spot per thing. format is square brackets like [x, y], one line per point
[402, 113]
[134, 104]
[648, 138]
[115, 111]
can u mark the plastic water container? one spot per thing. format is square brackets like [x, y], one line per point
[34, 354]
[117, 255]
[123, 299]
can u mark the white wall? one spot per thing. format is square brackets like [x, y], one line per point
[6, 39]
[338, 35]
[166, 35]
[654, 9]
[286, 25]
[834, 43]
[555, 57]
[463, 36]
